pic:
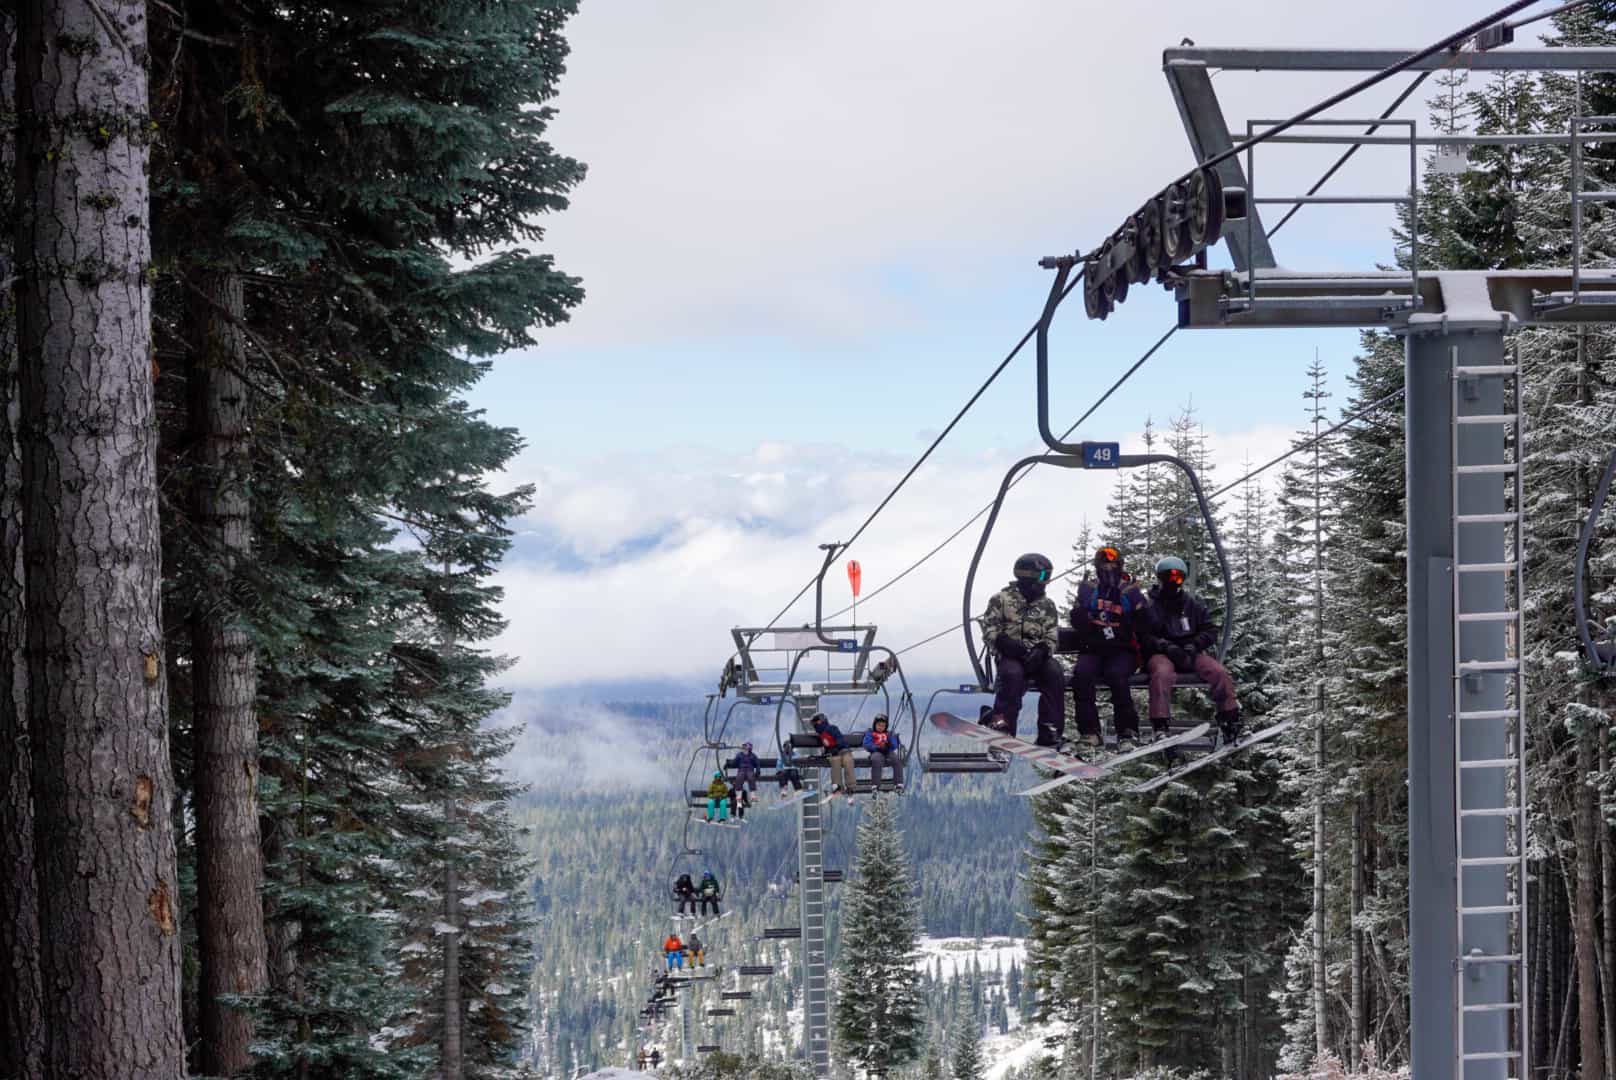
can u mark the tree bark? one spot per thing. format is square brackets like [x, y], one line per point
[1607, 894]
[452, 1065]
[98, 716]
[21, 1025]
[1356, 990]
[1585, 930]
[229, 867]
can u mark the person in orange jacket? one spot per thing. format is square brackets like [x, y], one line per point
[674, 950]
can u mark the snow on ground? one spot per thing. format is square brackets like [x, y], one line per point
[1018, 1049]
[618, 1074]
[955, 954]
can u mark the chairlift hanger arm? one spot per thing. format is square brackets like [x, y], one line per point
[1584, 543]
[1067, 461]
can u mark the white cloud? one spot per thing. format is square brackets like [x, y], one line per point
[765, 169]
[729, 557]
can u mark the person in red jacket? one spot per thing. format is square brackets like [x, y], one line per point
[674, 950]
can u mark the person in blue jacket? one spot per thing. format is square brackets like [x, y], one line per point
[841, 755]
[883, 747]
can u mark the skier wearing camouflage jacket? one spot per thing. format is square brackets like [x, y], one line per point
[1021, 625]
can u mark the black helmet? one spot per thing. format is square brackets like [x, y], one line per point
[1034, 567]
[880, 718]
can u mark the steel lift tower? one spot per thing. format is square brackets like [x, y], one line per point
[1463, 407]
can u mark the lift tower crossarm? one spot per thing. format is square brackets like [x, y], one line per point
[1585, 59]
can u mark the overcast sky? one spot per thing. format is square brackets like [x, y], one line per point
[807, 234]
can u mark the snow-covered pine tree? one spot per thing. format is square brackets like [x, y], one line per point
[966, 1062]
[879, 1012]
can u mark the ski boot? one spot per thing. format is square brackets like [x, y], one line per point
[1127, 739]
[1047, 737]
[1229, 727]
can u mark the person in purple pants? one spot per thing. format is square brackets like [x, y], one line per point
[1178, 635]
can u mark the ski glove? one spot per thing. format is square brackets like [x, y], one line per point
[1178, 655]
[1036, 657]
[1009, 646]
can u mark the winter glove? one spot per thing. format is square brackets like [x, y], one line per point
[1009, 646]
[1178, 655]
[1036, 657]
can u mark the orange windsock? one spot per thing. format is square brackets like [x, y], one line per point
[855, 576]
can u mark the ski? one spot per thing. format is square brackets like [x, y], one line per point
[709, 922]
[1122, 759]
[723, 824]
[1206, 759]
[1038, 755]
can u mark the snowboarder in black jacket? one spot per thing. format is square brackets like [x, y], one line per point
[1106, 613]
[1179, 636]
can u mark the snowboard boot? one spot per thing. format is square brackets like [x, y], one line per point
[1229, 727]
[1047, 737]
[1000, 724]
[1162, 729]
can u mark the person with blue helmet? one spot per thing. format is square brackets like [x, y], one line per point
[1178, 636]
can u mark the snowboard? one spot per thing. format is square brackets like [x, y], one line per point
[731, 824]
[795, 798]
[1206, 759]
[1122, 759]
[1039, 755]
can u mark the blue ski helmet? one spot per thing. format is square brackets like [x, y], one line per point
[1172, 571]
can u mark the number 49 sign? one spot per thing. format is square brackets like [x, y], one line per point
[1100, 455]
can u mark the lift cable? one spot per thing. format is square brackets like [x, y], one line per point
[1031, 330]
[1450, 42]
[918, 563]
[1551, 13]
[1306, 444]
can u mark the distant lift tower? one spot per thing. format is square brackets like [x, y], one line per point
[762, 683]
[1466, 705]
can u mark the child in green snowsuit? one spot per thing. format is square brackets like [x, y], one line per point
[718, 798]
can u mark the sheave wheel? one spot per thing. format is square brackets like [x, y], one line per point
[1176, 241]
[1205, 209]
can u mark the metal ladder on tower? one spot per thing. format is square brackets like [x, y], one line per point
[1489, 722]
[811, 890]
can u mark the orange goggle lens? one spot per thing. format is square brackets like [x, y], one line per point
[1175, 576]
[1108, 555]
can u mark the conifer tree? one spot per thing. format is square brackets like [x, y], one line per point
[966, 1062]
[880, 1015]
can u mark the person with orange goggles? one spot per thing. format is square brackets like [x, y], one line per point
[1179, 637]
[1105, 614]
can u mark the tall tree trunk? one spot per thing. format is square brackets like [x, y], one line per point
[1607, 926]
[98, 710]
[1356, 990]
[453, 1067]
[1321, 1010]
[21, 1026]
[229, 867]
[1585, 930]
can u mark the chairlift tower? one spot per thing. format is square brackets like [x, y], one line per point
[1463, 408]
[752, 644]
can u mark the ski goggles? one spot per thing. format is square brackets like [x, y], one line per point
[1175, 576]
[1039, 575]
[1107, 555]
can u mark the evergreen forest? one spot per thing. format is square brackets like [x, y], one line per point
[260, 805]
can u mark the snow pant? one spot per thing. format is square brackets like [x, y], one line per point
[1050, 683]
[713, 900]
[791, 776]
[687, 904]
[721, 806]
[676, 960]
[1113, 669]
[879, 759]
[738, 803]
[841, 769]
[1163, 677]
[745, 777]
